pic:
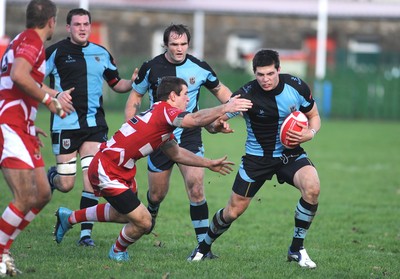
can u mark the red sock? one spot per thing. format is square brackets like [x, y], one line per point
[123, 241]
[97, 213]
[25, 222]
[9, 223]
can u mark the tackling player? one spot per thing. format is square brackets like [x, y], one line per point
[113, 169]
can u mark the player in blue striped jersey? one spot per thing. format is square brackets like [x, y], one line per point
[274, 97]
[76, 62]
[175, 61]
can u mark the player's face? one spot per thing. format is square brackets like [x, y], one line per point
[267, 77]
[79, 29]
[182, 100]
[177, 48]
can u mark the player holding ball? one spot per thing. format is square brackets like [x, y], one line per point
[274, 96]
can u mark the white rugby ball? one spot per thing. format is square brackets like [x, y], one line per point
[290, 123]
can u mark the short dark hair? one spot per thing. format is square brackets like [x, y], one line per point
[169, 84]
[78, 11]
[266, 57]
[38, 12]
[179, 29]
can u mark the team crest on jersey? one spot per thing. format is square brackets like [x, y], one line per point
[97, 58]
[192, 80]
[66, 143]
[293, 108]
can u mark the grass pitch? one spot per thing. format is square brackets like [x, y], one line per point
[356, 233]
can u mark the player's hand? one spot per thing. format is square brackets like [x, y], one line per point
[54, 105]
[221, 166]
[65, 99]
[236, 104]
[219, 126]
[298, 137]
[40, 132]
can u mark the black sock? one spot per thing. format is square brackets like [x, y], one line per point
[87, 200]
[152, 207]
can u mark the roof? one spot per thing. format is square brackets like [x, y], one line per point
[336, 8]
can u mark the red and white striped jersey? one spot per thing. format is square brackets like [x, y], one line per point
[141, 135]
[16, 107]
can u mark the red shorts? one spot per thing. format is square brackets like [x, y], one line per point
[108, 179]
[18, 149]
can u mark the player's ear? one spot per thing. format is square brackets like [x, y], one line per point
[172, 96]
[51, 22]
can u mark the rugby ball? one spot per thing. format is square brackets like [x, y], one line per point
[290, 123]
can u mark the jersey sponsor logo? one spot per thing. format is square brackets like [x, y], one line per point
[261, 113]
[192, 80]
[66, 143]
[70, 59]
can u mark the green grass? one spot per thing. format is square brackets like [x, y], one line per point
[356, 233]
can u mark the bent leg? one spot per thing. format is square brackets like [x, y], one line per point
[158, 189]
[223, 219]
[307, 181]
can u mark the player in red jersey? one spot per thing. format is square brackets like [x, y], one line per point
[113, 169]
[21, 76]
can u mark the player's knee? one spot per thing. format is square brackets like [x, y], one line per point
[157, 197]
[147, 225]
[311, 191]
[66, 175]
[196, 193]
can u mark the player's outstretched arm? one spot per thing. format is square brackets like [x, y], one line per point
[185, 157]
[204, 117]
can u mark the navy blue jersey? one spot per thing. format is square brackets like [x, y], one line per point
[195, 72]
[85, 68]
[270, 108]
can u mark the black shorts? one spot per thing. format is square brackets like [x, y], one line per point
[69, 141]
[158, 161]
[125, 202]
[255, 170]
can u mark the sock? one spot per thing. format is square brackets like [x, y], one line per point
[152, 207]
[199, 215]
[97, 213]
[123, 241]
[304, 214]
[217, 227]
[9, 223]
[87, 200]
[25, 222]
